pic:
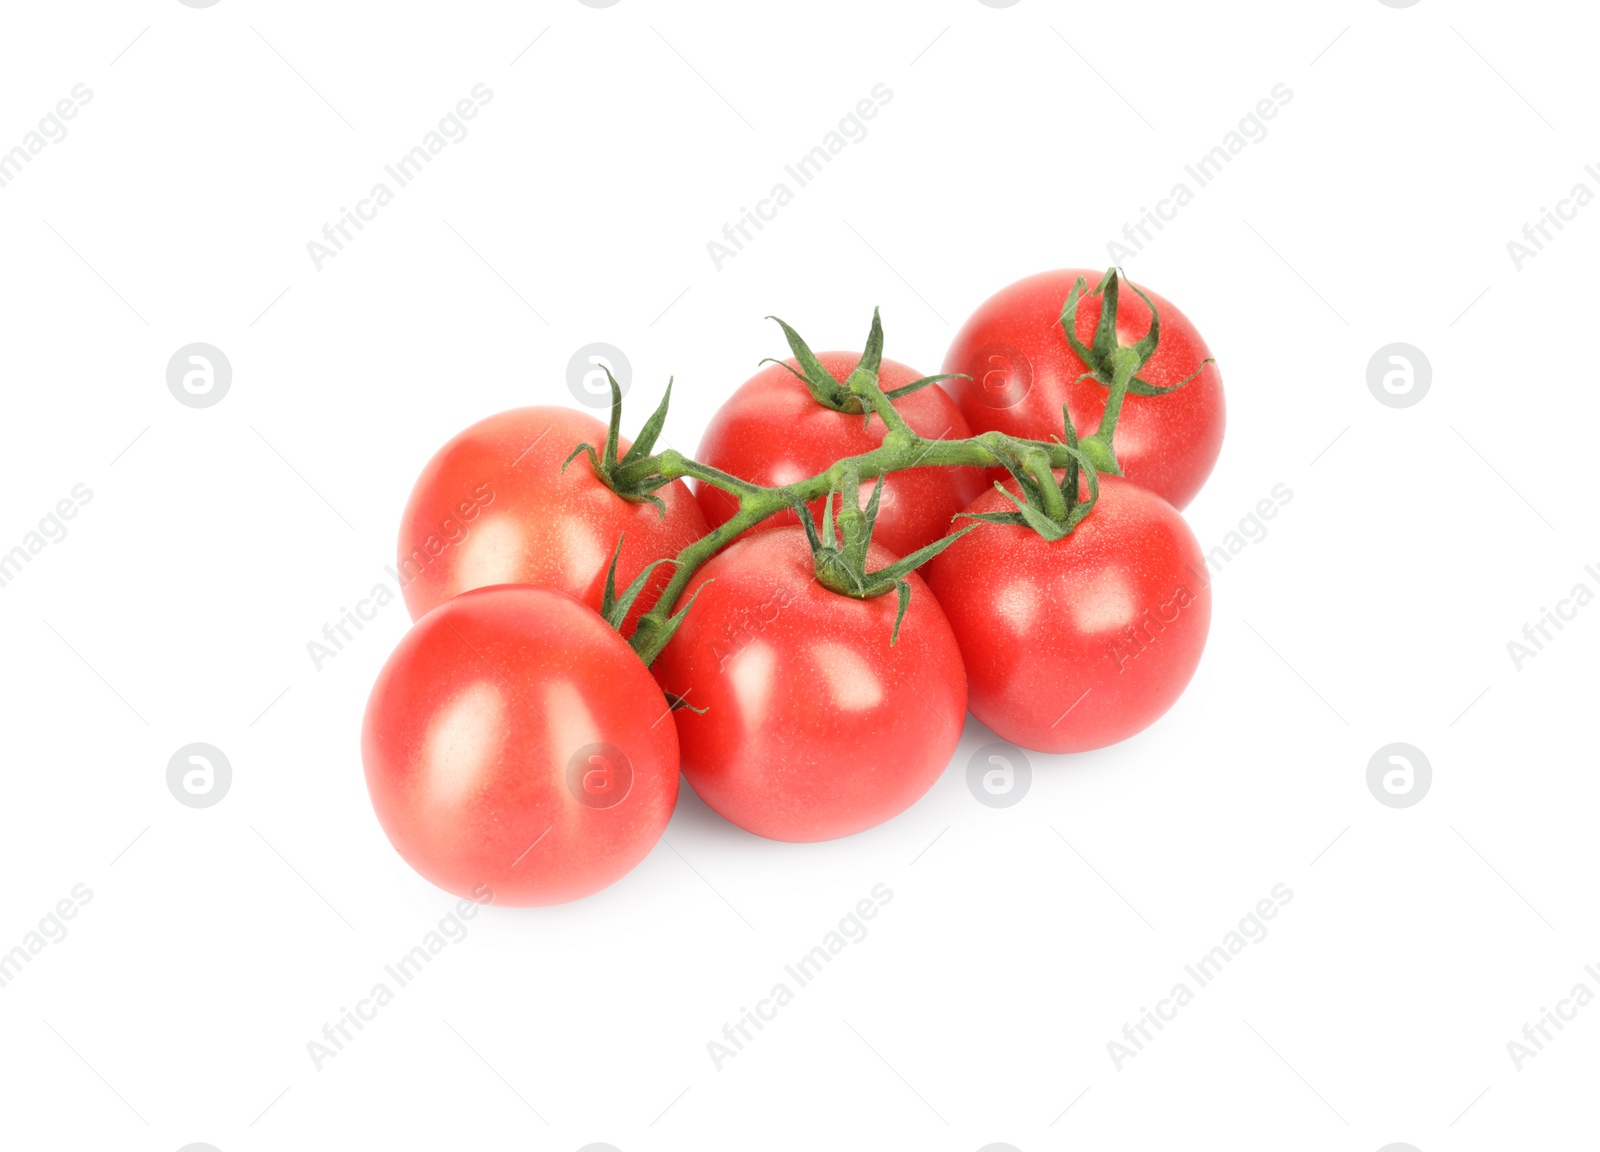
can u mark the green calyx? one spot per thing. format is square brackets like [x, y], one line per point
[1113, 365]
[614, 608]
[635, 477]
[1050, 507]
[854, 396]
[841, 555]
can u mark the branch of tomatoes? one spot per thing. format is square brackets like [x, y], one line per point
[782, 663]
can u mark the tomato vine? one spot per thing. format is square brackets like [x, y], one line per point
[1049, 504]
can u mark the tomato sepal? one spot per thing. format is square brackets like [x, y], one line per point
[917, 385]
[1112, 365]
[853, 396]
[614, 609]
[1051, 508]
[839, 550]
[637, 475]
[652, 634]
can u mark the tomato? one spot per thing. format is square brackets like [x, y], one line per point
[1081, 642]
[494, 506]
[514, 742]
[771, 431]
[815, 726]
[1023, 370]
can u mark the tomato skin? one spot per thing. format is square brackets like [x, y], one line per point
[470, 736]
[815, 727]
[771, 431]
[1118, 609]
[1023, 370]
[493, 506]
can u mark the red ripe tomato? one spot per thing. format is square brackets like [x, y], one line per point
[772, 432]
[514, 742]
[1081, 642]
[814, 725]
[493, 506]
[1023, 370]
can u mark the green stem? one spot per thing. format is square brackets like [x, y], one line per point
[902, 449]
[1039, 465]
[865, 385]
[676, 466]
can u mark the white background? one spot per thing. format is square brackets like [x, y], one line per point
[1378, 607]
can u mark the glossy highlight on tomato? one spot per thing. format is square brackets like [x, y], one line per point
[1022, 370]
[1081, 642]
[773, 432]
[815, 726]
[495, 506]
[514, 742]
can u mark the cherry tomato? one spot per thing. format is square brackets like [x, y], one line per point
[1080, 642]
[494, 506]
[771, 431]
[514, 742]
[814, 725]
[1023, 370]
